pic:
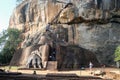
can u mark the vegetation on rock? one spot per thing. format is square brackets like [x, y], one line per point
[117, 54]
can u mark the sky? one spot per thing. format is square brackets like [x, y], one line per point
[6, 10]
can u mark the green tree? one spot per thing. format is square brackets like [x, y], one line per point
[3, 36]
[11, 39]
[117, 54]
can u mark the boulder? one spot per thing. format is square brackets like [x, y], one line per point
[67, 15]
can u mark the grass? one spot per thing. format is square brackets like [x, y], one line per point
[9, 67]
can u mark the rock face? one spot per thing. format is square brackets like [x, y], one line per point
[87, 30]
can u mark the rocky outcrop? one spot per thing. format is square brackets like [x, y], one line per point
[91, 25]
[74, 57]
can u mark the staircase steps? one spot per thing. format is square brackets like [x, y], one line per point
[52, 65]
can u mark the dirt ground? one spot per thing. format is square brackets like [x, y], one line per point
[111, 73]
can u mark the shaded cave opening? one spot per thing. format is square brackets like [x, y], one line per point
[52, 54]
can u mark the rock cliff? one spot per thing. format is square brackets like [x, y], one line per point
[83, 31]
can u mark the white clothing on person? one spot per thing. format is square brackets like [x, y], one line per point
[90, 65]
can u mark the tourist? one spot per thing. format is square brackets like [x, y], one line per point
[90, 66]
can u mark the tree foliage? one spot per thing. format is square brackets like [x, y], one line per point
[11, 39]
[117, 54]
[3, 38]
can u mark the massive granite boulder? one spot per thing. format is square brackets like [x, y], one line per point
[91, 25]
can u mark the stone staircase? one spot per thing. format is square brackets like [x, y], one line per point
[52, 65]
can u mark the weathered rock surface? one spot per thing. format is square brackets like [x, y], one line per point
[92, 25]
